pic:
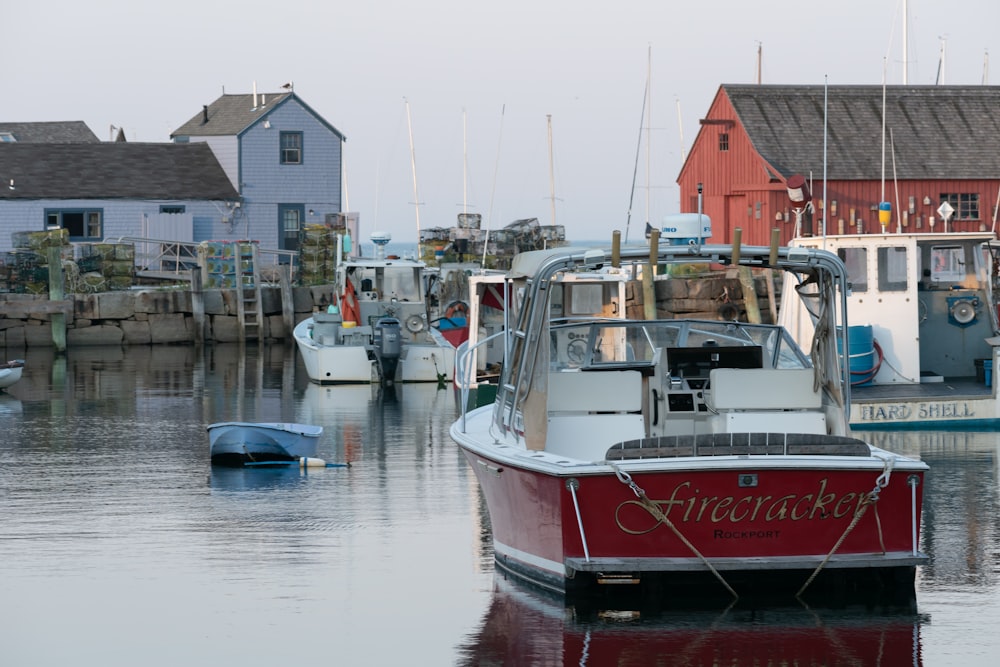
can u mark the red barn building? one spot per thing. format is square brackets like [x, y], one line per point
[942, 144]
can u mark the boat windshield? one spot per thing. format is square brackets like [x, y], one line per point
[624, 344]
[401, 283]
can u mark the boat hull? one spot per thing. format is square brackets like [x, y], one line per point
[10, 373]
[953, 404]
[240, 443]
[357, 364]
[746, 516]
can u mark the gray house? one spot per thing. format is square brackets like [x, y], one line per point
[101, 190]
[282, 157]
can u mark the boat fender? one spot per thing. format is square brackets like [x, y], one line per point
[311, 462]
[455, 308]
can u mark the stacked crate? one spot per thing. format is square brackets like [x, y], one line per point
[27, 267]
[317, 254]
[110, 266]
[219, 263]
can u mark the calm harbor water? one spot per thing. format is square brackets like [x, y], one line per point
[120, 545]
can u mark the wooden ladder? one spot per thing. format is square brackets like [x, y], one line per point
[248, 292]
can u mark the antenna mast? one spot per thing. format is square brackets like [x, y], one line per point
[760, 68]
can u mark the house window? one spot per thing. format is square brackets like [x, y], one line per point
[723, 141]
[966, 205]
[7, 137]
[291, 148]
[172, 208]
[82, 224]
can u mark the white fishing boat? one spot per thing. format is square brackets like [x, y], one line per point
[662, 455]
[254, 443]
[10, 373]
[379, 328]
[924, 338]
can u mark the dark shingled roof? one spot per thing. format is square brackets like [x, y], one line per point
[932, 132]
[230, 115]
[56, 132]
[112, 170]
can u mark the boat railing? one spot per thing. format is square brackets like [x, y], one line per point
[464, 370]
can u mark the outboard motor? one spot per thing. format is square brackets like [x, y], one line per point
[388, 347]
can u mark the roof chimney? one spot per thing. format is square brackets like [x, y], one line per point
[204, 114]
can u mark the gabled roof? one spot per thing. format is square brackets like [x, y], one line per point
[231, 115]
[55, 132]
[931, 132]
[112, 170]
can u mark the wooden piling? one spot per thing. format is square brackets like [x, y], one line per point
[57, 319]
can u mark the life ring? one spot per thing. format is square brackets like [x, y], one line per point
[454, 308]
[728, 312]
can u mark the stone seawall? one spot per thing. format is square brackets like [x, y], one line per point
[149, 316]
[169, 316]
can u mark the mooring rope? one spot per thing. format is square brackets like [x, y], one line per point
[871, 498]
[654, 509]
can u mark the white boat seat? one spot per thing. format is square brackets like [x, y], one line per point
[595, 391]
[763, 389]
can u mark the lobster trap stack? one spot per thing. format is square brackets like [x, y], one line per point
[25, 270]
[317, 254]
[104, 266]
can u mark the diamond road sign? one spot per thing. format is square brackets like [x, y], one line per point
[945, 210]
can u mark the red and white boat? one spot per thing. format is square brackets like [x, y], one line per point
[651, 453]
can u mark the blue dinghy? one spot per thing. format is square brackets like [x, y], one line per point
[249, 443]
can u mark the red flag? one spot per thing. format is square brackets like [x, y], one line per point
[493, 298]
[349, 303]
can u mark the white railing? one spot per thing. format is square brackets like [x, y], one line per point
[179, 257]
[465, 369]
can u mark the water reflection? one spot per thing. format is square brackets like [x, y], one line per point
[108, 496]
[961, 521]
[522, 627]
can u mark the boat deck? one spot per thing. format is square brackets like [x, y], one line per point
[948, 388]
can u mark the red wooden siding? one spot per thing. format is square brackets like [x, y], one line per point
[741, 190]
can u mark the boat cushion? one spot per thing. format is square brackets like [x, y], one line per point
[595, 391]
[763, 389]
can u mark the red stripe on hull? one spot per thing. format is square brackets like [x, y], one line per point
[791, 512]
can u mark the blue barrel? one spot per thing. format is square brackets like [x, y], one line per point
[860, 354]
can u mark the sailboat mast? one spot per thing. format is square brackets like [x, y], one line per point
[905, 47]
[413, 169]
[465, 164]
[552, 176]
[649, 103]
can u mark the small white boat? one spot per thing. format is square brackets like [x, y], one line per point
[379, 328]
[10, 372]
[250, 443]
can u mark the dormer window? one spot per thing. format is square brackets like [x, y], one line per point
[291, 148]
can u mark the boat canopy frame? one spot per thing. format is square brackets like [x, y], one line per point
[819, 276]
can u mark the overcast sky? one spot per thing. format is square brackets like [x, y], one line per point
[480, 80]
